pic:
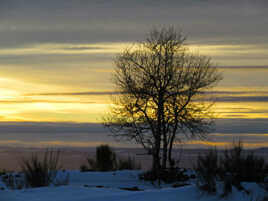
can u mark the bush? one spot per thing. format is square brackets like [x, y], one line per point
[105, 160]
[148, 176]
[39, 172]
[232, 168]
[242, 167]
[254, 169]
[168, 175]
[207, 170]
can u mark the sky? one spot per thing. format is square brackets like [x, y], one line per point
[56, 59]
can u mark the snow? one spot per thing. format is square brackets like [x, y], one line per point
[107, 186]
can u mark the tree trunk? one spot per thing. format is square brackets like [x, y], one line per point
[159, 125]
[156, 162]
[170, 159]
[164, 154]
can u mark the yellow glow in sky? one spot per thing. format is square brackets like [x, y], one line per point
[67, 49]
[42, 82]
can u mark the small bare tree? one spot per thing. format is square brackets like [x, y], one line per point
[161, 94]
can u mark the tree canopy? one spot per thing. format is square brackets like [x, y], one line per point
[162, 94]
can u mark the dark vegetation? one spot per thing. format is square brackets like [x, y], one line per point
[169, 175]
[215, 172]
[106, 160]
[243, 167]
[41, 172]
[207, 170]
[232, 168]
[162, 95]
[37, 172]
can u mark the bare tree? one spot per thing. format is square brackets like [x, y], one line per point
[161, 94]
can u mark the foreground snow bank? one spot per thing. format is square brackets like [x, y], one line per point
[108, 186]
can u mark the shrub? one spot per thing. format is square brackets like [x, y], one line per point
[39, 172]
[173, 174]
[148, 176]
[254, 169]
[234, 167]
[106, 161]
[105, 158]
[207, 170]
[167, 175]
[242, 167]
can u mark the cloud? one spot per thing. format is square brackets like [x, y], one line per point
[88, 93]
[43, 101]
[220, 96]
[244, 126]
[226, 144]
[242, 99]
[236, 92]
[45, 144]
[59, 52]
[265, 67]
[36, 21]
[64, 49]
[83, 48]
[223, 126]
[50, 127]
[253, 132]
[237, 96]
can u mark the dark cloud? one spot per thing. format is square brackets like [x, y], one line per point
[38, 134]
[243, 99]
[235, 92]
[49, 127]
[242, 126]
[237, 96]
[243, 67]
[32, 21]
[225, 126]
[54, 59]
[232, 96]
[239, 112]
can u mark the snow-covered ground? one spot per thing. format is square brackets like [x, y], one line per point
[108, 186]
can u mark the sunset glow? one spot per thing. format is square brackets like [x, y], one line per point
[57, 58]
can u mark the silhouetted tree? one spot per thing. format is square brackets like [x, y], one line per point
[161, 94]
